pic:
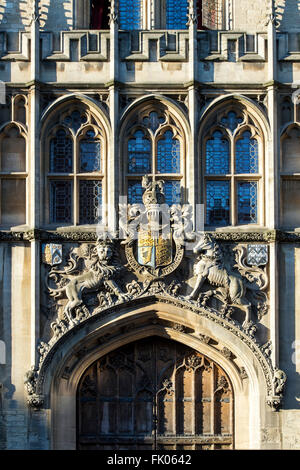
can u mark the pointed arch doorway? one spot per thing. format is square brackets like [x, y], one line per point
[154, 393]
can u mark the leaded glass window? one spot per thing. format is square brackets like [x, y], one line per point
[217, 155]
[139, 154]
[247, 202]
[212, 14]
[90, 202]
[155, 148]
[231, 120]
[13, 175]
[177, 14]
[135, 192]
[246, 154]
[168, 154]
[232, 170]
[61, 153]
[217, 202]
[130, 14]
[76, 147]
[172, 192]
[90, 153]
[60, 201]
[75, 120]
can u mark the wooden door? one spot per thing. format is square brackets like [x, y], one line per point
[154, 394]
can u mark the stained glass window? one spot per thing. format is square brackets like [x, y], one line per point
[135, 192]
[177, 14]
[130, 14]
[168, 154]
[90, 202]
[139, 154]
[61, 153]
[89, 153]
[153, 121]
[247, 202]
[75, 120]
[217, 202]
[60, 201]
[212, 14]
[246, 154]
[231, 121]
[172, 192]
[217, 155]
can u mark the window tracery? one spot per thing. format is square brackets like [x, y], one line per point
[290, 176]
[155, 146]
[75, 173]
[232, 169]
[13, 175]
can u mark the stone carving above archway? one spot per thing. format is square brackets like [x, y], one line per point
[213, 281]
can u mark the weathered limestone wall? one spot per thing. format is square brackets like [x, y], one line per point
[15, 332]
[289, 340]
[250, 16]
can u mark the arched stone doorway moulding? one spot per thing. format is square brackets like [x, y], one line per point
[99, 336]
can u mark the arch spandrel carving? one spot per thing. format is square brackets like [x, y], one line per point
[101, 297]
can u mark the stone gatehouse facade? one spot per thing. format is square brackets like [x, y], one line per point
[119, 119]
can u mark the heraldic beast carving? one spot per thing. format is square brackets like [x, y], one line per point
[231, 286]
[101, 271]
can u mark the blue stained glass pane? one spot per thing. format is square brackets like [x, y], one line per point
[130, 14]
[90, 202]
[246, 154]
[153, 121]
[177, 14]
[60, 201]
[139, 154]
[135, 192]
[75, 120]
[247, 202]
[217, 155]
[217, 202]
[61, 153]
[172, 192]
[231, 120]
[168, 154]
[89, 150]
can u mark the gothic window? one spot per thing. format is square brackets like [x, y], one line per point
[232, 170]
[155, 147]
[99, 14]
[75, 169]
[13, 176]
[212, 14]
[131, 14]
[290, 177]
[176, 14]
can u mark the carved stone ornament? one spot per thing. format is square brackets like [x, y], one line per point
[154, 233]
[92, 283]
[52, 253]
[100, 273]
[257, 255]
[229, 285]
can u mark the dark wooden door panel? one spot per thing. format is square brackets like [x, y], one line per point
[154, 394]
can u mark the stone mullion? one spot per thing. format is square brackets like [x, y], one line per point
[112, 167]
[34, 178]
[272, 186]
[192, 162]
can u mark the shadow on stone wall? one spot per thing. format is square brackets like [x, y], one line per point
[56, 15]
[288, 15]
[288, 347]
[14, 15]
